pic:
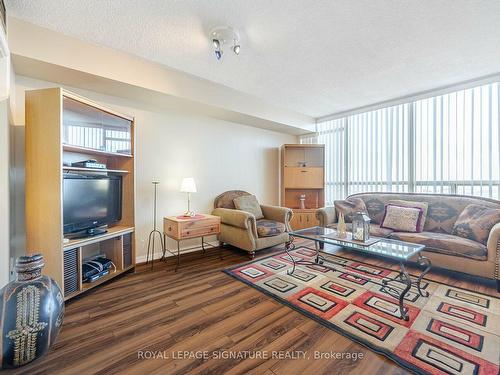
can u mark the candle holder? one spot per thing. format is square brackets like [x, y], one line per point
[361, 227]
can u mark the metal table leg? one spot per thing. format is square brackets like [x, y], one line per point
[423, 261]
[164, 247]
[317, 247]
[178, 255]
[289, 246]
[407, 280]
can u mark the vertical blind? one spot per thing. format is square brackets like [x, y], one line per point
[443, 144]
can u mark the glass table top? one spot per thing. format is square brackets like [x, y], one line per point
[394, 249]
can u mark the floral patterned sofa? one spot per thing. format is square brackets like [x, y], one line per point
[444, 245]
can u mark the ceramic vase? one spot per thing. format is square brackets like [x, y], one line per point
[32, 311]
[302, 201]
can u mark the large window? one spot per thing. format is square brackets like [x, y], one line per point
[444, 144]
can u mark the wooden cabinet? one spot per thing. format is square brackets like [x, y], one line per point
[62, 128]
[180, 228]
[303, 177]
[303, 219]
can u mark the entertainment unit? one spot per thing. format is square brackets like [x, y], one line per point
[303, 182]
[63, 198]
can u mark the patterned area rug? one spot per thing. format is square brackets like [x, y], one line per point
[453, 331]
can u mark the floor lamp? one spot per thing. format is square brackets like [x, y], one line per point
[151, 240]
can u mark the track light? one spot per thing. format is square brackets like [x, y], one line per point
[222, 35]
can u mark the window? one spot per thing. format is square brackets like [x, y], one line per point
[444, 144]
[457, 143]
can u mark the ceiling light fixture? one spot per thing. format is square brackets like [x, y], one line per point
[222, 35]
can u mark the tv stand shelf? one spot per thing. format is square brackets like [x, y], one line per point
[56, 122]
[111, 233]
[81, 169]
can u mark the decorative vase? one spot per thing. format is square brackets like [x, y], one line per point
[341, 227]
[31, 313]
[302, 201]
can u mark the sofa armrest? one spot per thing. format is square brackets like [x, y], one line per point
[276, 213]
[236, 218]
[326, 216]
[493, 246]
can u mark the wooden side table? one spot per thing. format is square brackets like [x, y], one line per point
[182, 228]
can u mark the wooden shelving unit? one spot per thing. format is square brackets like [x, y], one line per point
[303, 174]
[62, 128]
[112, 232]
[90, 151]
[81, 169]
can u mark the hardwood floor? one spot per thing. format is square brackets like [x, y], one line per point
[117, 328]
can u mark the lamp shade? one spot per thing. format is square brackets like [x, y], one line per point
[188, 185]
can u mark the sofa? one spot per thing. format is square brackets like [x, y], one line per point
[243, 230]
[445, 249]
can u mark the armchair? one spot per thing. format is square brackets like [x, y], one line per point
[241, 229]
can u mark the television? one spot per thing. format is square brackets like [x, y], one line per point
[90, 201]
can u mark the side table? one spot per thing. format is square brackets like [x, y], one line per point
[184, 227]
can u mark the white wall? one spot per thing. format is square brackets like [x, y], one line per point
[4, 192]
[171, 145]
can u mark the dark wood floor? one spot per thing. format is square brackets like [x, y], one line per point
[198, 309]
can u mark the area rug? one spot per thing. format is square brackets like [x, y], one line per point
[452, 331]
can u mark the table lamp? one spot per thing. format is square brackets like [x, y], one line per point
[188, 186]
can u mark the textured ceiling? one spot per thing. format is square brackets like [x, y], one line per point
[312, 56]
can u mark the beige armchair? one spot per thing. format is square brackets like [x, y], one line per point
[241, 229]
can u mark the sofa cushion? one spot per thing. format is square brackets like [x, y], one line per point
[475, 222]
[249, 204]
[349, 207]
[375, 230]
[402, 219]
[423, 205]
[268, 228]
[445, 244]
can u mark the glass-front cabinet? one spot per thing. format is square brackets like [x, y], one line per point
[90, 127]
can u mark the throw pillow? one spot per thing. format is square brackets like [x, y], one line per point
[249, 203]
[475, 222]
[423, 205]
[349, 207]
[402, 219]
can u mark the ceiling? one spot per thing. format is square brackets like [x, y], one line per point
[316, 57]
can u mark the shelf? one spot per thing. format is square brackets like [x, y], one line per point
[65, 168]
[91, 151]
[112, 232]
[87, 286]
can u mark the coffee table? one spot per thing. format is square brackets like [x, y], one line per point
[395, 250]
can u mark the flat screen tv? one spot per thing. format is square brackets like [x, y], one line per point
[91, 201]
